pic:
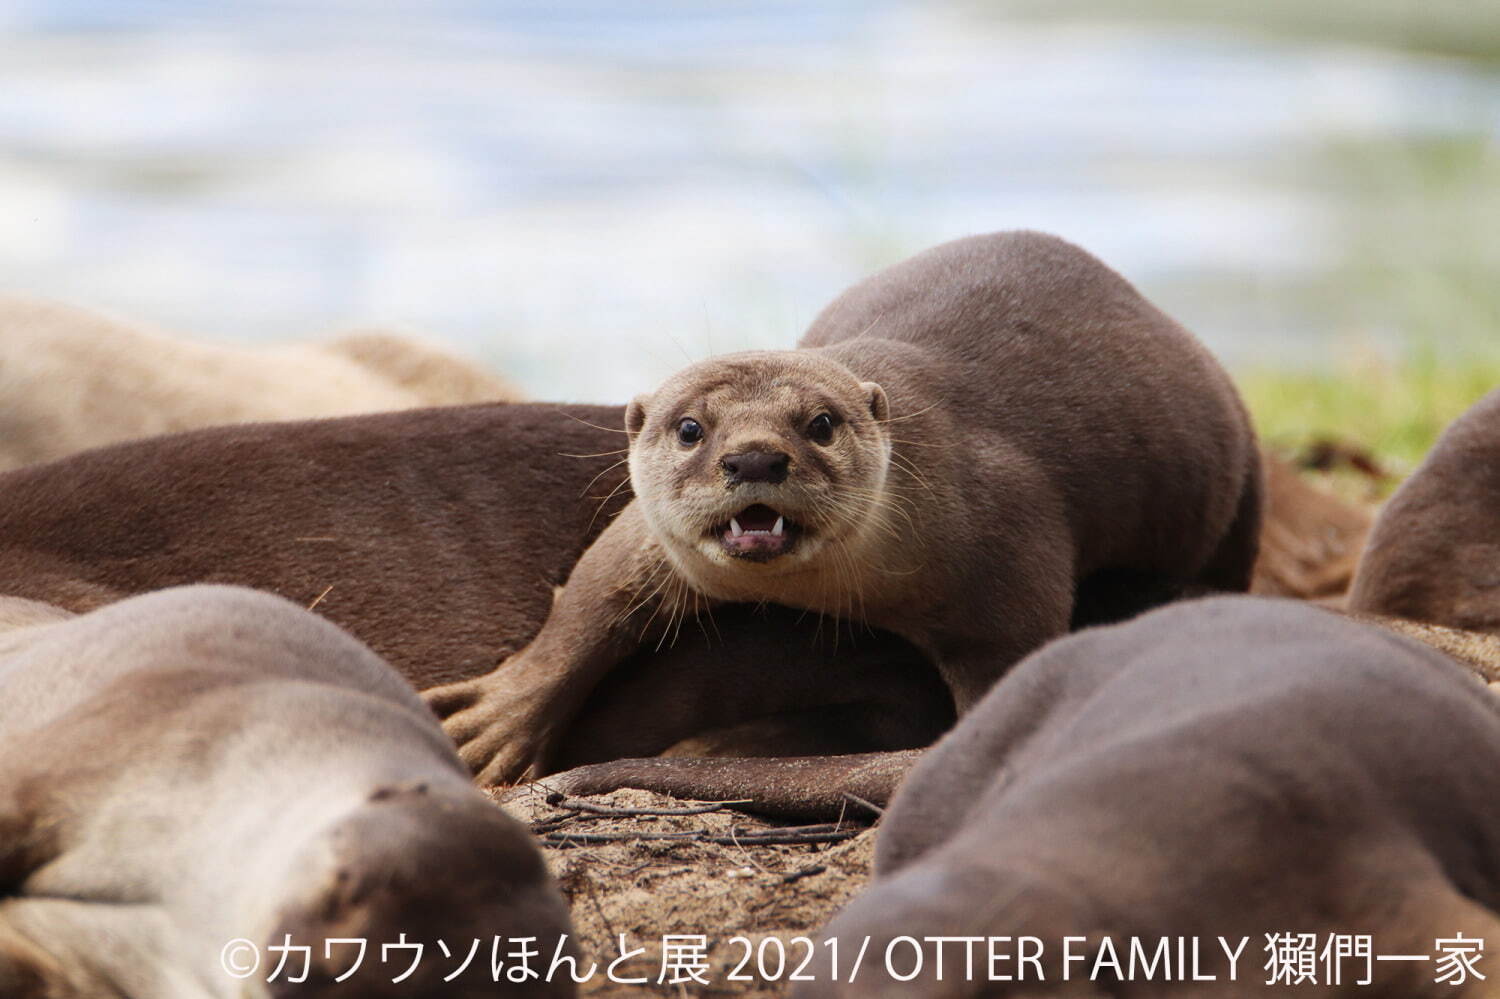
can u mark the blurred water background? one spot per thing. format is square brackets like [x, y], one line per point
[585, 194]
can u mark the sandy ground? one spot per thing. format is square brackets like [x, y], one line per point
[696, 875]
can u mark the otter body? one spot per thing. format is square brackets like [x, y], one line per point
[437, 536]
[206, 765]
[973, 449]
[71, 379]
[1434, 552]
[1230, 767]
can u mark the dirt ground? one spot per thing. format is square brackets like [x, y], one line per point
[648, 876]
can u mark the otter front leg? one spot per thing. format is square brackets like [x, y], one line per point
[622, 593]
[976, 643]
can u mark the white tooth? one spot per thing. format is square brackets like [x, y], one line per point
[735, 528]
[776, 531]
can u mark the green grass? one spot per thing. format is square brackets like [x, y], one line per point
[1466, 29]
[1411, 307]
[1394, 408]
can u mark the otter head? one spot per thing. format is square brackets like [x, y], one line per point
[429, 865]
[761, 458]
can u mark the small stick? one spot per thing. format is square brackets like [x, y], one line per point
[586, 806]
[770, 838]
[805, 872]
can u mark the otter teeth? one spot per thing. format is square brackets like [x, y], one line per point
[776, 531]
[737, 530]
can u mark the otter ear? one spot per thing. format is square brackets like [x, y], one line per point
[875, 396]
[635, 414]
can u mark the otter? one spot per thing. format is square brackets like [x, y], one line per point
[71, 379]
[1434, 552]
[431, 375]
[818, 786]
[1311, 538]
[1235, 767]
[437, 537]
[193, 775]
[974, 450]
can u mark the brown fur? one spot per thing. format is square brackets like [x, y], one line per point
[205, 764]
[437, 537]
[72, 379]
[432, 376]
[821, 785]
[1312, 775]
[813, 787]
[1434, 553]
[1013, 426]
[1308, 544]
[1311, 539]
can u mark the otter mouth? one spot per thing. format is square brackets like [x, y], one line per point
[758, 533]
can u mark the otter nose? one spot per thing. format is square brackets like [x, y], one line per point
[756, 466]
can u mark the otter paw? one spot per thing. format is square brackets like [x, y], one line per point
[498, 739]
[451, 698]
[513, 761]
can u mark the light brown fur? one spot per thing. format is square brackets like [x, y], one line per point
[431, 375]
[1311, 540]
[71, 379]
[201, 764]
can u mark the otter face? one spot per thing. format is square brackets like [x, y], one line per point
[758, 458]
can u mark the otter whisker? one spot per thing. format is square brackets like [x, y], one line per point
[656, 570]
[603, 471]
[676, 603]
[612, 430]
[908, 416]
[930, 444]
[906, 466]
[601, 454]
[605, 501]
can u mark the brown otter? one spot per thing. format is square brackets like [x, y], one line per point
[803, 784]
[1311, 539]
[437, 536]
[1311, 775]
[1434, 553]
[190, 777]
[962, 445]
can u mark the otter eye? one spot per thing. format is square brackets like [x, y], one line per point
[689, 432]
[820, 430]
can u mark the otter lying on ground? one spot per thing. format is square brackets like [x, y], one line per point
[209, 768]
[972, 449]
[72, 379]
[437, 537]
[1434, 553]
[1234, 768]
